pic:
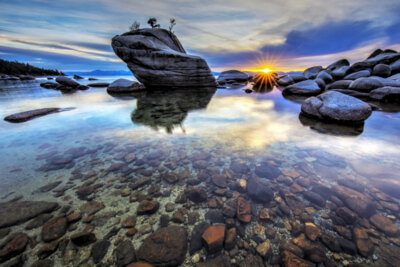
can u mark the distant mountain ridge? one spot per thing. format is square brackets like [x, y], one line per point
[99, 73]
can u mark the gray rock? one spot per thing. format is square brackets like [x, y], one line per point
[339, 73]
[285, 80]
[365, 84]
[125, 253]
[358, 74]
[18, 212]
[381, 70]
[31, 114]
[325, 76]
[341, 84]
[395, 67]
[387, 57]
[354, 93]
[311, 73]
[338, 64]
[124, 86]
[158, 60]
[386, 93]
[233, 75]
[259, 190]
[320, 83]
[99, 84]
[67, 81]
[395, 77]
[337, 107]
[307, 87]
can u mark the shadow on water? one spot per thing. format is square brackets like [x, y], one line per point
[331, 128]
[168, 109]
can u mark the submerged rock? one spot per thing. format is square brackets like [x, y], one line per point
[31, 114]
[259, 190]
[213, 238]
[338, 107]
[158, 60]
[165, 247]
[18, 212]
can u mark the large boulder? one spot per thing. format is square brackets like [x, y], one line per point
[337, 107]
[358, 74]
[338, 64]
[165, 247]
[158, 60]
[232, 75]
[386, 93]
[395, 67]
[339, 73]
[307, 87]
[381, 70]
[312, 72]
[124, 86]
[365, 84]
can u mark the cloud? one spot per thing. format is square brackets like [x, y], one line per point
[227, 32]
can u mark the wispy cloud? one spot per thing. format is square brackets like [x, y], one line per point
[225, 32]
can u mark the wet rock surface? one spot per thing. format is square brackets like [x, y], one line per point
[31, 114]
[167, 246]
[165, 64]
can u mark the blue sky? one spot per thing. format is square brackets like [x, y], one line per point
[287, 34]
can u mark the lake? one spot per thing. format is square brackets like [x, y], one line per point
[203, 156]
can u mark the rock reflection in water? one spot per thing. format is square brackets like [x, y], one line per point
[167, 109]
[332, 128]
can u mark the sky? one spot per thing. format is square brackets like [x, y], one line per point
[285, 35]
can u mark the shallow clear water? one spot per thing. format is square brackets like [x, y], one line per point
[187, 133]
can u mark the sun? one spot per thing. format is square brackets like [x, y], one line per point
[266, 70]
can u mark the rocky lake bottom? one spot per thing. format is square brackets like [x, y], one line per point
[202, 178]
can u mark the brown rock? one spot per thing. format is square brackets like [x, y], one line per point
[15, 245]
[295, 188]
[264, 214]
[92, 207]
[384, 225]
[291, 260]
[129, 222]
[74, 217]
[171, 177]
[131, 232]
[347, 215]
[243, 210]
[166, 247]
[147, 207]
[263, 249]
[312, 231]
[129, 157]
[219, 180]
[360, 203]
[230, 239]
[83, 238]
[54, 229]
[213, 238]
[140, 264]
[364, 245]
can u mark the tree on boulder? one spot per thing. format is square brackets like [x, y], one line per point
[153, 23]
[135, 26]
[172, 23]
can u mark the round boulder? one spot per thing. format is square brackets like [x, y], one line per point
[337, 107]
[233, 75]
[307, 87]
[381, 70]
[365, 84]
[124, 86]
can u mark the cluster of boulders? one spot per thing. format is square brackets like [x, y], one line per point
[64, 84]
[342, 88]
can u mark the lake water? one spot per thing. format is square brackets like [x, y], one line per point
[192, 138]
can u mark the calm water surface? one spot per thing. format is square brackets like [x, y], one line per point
[109, 142]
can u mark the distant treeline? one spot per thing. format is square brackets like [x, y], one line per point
[17, 68]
